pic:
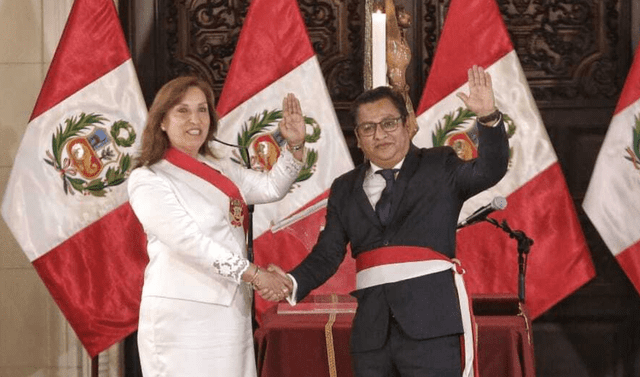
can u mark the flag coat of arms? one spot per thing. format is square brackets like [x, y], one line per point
[612, 201]
[271, 61]
[539, 203]
[65, 201]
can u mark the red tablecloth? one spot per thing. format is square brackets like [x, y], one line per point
[296, 345]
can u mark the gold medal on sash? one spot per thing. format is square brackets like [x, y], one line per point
[235, 212]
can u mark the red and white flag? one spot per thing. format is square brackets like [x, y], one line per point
[612, 201]
[271, 60]
[539, 203]
[65, 201]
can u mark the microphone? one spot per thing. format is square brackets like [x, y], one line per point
[250, 206]
[241, 147]
[228, 144]
[498, 203]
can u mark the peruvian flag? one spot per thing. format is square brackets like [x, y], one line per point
[66, 201]
[539, 203]
[270, 61]
[612, 201]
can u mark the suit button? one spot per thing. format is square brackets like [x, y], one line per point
[386, 243]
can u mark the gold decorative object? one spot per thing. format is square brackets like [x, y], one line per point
[399, 56]
[398, 52]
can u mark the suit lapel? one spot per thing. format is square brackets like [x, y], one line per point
[407, 171]
[360, 197]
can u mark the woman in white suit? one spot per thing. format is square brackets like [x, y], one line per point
[195, 313]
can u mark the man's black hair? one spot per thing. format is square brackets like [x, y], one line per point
[377, 94]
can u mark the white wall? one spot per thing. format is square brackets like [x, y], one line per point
[35, 339]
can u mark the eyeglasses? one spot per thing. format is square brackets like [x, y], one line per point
[387, 125]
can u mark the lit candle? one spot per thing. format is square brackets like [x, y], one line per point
[378, 49]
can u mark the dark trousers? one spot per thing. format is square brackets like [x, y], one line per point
[402, 356]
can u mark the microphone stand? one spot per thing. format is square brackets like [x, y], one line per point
[524, 246]
[254, 323]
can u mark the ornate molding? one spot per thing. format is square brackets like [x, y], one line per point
[334, 28]
[432, 16]
[570, 50]
[201, 37]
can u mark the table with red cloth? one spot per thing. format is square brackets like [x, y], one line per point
[315, 343]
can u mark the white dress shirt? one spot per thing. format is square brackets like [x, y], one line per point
[373, 185]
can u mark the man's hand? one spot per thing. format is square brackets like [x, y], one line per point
[481, 98]
[274, 284]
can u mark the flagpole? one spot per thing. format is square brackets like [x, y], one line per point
[367, 78]
[244, 152]
[250, 207]
[95, 364]
[250, 232]
[250, 214]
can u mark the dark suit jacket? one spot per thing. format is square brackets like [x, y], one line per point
[429, 192]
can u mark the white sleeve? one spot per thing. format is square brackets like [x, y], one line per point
[163, 216]
[291, 299]
[265, 187]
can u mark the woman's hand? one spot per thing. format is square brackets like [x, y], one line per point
[271, 285]
[292, 126]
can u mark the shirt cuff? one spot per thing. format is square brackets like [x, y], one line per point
[494, 124]
[289, 156]
[291, 299]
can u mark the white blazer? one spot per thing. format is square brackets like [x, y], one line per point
[195, 252]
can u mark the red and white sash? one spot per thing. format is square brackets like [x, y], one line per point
[211, 175]
[396, 263]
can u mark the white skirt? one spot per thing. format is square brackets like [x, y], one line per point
[186, 338]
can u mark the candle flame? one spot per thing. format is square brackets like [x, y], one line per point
[378, 6]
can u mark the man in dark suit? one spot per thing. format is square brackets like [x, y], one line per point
[401, 225]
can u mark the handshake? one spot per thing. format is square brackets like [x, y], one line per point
[272, 284]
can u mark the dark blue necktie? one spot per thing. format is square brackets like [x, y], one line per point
[383, 207]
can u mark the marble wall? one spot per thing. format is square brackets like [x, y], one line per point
[35, 339]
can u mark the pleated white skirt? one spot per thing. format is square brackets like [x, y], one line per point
[185, 338]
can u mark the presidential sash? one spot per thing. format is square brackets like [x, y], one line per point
[238, 210]
[396, 263]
